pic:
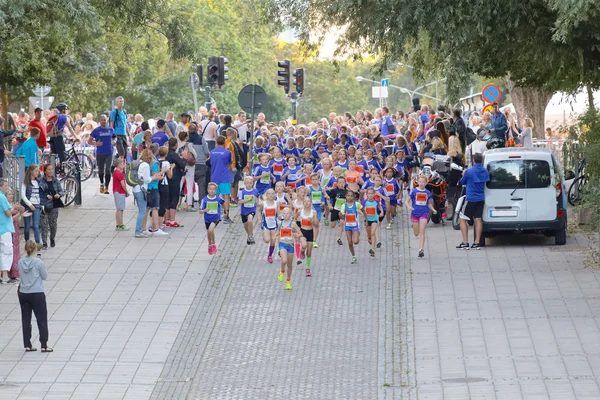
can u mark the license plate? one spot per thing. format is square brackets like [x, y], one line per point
[503, 213]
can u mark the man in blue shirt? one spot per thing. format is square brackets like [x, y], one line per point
[221, 174]
[57, 140]
[118, 121]
[29, 149]
[474, 178]
[6, 230]
[160, 137]
[499, 124]
[101, 137]
[387, 125]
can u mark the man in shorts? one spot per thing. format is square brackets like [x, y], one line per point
[222, 173]
[474, 178]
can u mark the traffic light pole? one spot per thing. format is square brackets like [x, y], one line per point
[207, 98]
[294, 98]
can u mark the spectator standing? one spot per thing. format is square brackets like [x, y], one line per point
[241, 126]
[51, 191]
[174, 183]
[186, 151]
[525, 135]
[208, 127]
[29, 149]
[6, 230]
[30, 198]
[474, 178]
[32, 298]
[221, 162]
[459, 128]
[18, 211]
[118, 121]
[169, 118]
[140, 190]
[499, 123]
[36, 122]
[184, 121]
[160, 137]
[101, 138]
[120, 193]
[202, 155]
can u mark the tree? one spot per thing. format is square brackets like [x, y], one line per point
[541, 46]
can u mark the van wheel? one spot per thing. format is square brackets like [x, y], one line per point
[560, 236]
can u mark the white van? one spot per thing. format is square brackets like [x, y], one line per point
[526, 193]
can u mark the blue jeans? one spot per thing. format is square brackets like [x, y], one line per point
[141, 203]
[35, 217]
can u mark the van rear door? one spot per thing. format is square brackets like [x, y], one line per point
[505, 197]
[541, 195]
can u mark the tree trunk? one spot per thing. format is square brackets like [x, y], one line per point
[4, 102]
[530, 103]
[590, 94]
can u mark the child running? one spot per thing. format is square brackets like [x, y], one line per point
[337, 196]
[286, 233]
[269, 222]
[308, 220]
[419, 202]
[248, 197]
[350, 211]
[211, 206]
[318, 197]
[373, 211]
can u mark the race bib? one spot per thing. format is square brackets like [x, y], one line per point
[338, 204]
[250, 201]
[265, 178]
[213, 207]
[292, 177]
[307, 223]
[292, 185]
[371, 211]
[316, 197]
[389, 189]
[351, 220]
[286, 233]
[277, 169]
[270, 217]
[421, 199]
[360, 169]
[282, 205]
[352, 179]
[377, 197]
[307, 181]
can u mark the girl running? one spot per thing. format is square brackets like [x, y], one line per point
[269, 224]
[350, 211]
[262, 174]
[337, 196]
[419, 202]
[373, 212]
[308, 221]
[392, 190]
[281, 196]
[286, 233]
[319, 199]
[211, 206]
[248, 199]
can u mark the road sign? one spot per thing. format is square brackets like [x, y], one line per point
[41, 91]
[252, 98]
[490, 93]
[385, 82]
[380, 92]
[487, 107]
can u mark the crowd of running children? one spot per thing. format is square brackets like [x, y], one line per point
[334, 176]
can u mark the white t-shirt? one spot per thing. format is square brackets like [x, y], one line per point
[242, 129]
[164, 164]
[210, 133]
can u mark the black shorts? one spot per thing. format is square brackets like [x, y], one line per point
[245, 217]
[335, 215]
[207, 224]
[473, 209]
[308, 234]
[369, 223]
[174, 193]
[153, 199]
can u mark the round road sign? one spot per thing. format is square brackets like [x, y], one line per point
[487, 107]
[252, 98]
[490, 93]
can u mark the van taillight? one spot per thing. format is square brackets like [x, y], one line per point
[559, 213]
[558, 189]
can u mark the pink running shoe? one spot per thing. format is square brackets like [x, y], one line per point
[210, 250]
[444, 216]
[214, 249]
[270, 260]
[308, 272]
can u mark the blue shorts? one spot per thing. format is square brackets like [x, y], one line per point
[319, 210]
[153, 199]
[351, 228]
[262, 189]
[393, 201]
[224, 188]
[287, 247]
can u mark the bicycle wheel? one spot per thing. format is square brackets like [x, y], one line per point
[87, 166]
[574, 193]
[69, 185]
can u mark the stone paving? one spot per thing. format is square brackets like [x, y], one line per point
[159, 318]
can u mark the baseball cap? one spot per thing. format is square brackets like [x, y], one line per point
[37, 109]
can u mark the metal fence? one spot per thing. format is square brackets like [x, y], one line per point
[567, 152]
[13, 170]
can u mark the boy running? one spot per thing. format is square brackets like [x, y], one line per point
[211, 206]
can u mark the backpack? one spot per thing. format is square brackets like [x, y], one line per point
[240, 159]
[391, 128]
[471, 137]
[189, 158]
[131, 174]
[52, 126]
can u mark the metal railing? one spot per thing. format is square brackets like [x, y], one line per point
[566, 151]
[13, 170]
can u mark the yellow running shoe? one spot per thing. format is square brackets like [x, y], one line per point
[288, 285]
[281, 276]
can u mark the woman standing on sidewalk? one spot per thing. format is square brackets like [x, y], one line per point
[32, 298]
[30, 194]
[51, 190]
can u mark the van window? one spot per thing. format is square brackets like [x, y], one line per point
[519, 174]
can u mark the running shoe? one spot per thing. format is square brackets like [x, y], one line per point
[315, 245]
[210, 250]
[298, 261]
[106, 191]
[354, 260]
[227, 220]
[421, 253]
[308, 272]
[444, 216]
[463, 246]
[288, 285]
[326, 222]
[233, 205]
[101, 189]
[147, 233]
[388, 226]
[160, 232]
[281, 276]
[175, 224]
[475, 246]
[142, 236]
[39, 246]
[270, 259]
[339, 241]
[151, 230]
[371, 253]
[214, 249]
[191, 209]
[44, 246]
[124, 228]
[378, 245]
[252, 239]
[248, 241]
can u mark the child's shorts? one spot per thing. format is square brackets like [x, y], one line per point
[120, 201]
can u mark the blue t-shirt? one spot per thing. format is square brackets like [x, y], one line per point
[248, 207]
[475, 179]
[420, 202]
[103, 135]
[119, 119]
[214, 205]
[154, 168]
[160, 138]
[291, 152]
[386, 123]
[277, 167]
[368, 206]
[61, 122]
[265, 181]
[220, 158]
[6, 222]
[293, 175]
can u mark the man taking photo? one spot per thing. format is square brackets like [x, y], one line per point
[474, 178]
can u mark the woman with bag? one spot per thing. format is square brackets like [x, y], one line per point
[50, 193]
[187, 152]
[30, 199]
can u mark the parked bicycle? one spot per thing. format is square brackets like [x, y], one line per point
[69, 182]
[578, 187]
[87, 165]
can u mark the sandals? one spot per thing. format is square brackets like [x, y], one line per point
[28, 349]
[47, 350]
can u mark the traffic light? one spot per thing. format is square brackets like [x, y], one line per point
[200, 74]
[222, 71]
[284, 73]
[299, 80]
[213, 71]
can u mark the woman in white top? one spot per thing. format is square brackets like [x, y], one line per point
[525, 136]
[139, 191]
[30, 199]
